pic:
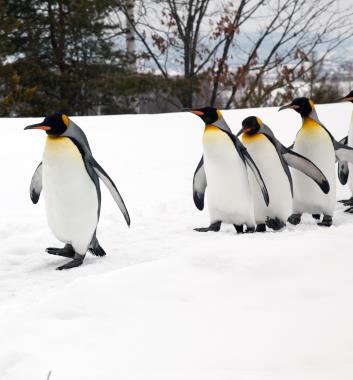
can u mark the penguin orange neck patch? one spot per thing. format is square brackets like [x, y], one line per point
[56, 139]
[213, 135]
[245, 138]
[310, 124]
[211, 128]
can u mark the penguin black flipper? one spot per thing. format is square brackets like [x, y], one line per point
[343, 151]
[250, 162]
[75, 133]
[342, 169]
[36, 184]
[111, 187]
[307, 167]
[344, 141]
[199, 185]
[266, 131]
[297, 161]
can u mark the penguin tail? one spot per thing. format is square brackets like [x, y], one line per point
[96, 249]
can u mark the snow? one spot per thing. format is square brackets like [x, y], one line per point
[168, 302]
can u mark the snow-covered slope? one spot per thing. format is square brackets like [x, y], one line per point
[168, 302]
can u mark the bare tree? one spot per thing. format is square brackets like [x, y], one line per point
[130, 34]
[297, 29]
[244, 50]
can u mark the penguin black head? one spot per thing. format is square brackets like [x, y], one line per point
[347, 98]
[304, 106]
[251, 125]
[55, 124]
[208, 114]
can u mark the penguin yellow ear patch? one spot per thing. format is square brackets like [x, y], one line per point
[259, 121]
[311, 104]
[65, 120]
[219, 114]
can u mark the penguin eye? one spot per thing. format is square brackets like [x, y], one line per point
[65, 120]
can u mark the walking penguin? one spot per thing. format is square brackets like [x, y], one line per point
[316, 143]
[273, 159]
[223, 170]
[69, 176]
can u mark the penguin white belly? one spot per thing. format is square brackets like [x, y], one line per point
[313, 142]
[70, 195]
[350, 165]
[268, 162]
[228, 192]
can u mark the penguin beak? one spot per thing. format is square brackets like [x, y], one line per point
[243, 130]
[38, 126]
[345, 99]
[195, 112]
[289, 106]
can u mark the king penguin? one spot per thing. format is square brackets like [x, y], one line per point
[273, 159]
[316, 143]
[69, 176]
[344, 168]
[223, 170]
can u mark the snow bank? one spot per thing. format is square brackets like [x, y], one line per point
[167, 302]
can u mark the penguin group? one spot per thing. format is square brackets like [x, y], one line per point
[246, 175]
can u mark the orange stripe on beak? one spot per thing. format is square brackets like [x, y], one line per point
[38, 126]
[198, 113]
[43, 127]
[289, 106]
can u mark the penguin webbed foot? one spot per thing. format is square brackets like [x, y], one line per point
[96, 249]
[349, 210]
[261, 227]
[214, 227]
[295, 219]
[275, 224]
[326, 221]
[67, 251]
[72, 264]
[347, 202]
[316, 216]
[250, 230]
[239, 228]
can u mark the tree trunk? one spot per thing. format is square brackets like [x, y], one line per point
[130, 36]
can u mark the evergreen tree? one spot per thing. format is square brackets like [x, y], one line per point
[55, 55]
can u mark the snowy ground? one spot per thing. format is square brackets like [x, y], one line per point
[168, 302]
